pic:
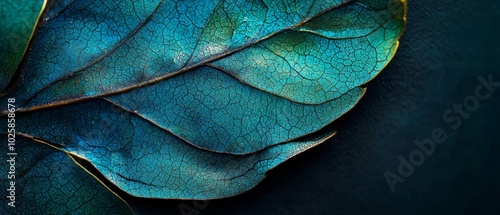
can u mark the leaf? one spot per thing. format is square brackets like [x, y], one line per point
[18, 20]
[47, 180]
[292, 57]
[198, 99]
[145, 161]
[209, 109]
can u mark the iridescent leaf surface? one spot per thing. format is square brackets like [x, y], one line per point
[308, 52]
[213, 111]
[48, 181]
[322, 59]
[146, 161]
[198, 99]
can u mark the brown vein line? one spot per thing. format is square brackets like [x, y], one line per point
[185, 69]
[134, 32]
[230, 153]
[177, 136]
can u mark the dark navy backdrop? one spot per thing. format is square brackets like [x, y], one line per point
[446, 46]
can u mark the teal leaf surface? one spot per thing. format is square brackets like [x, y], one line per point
[145, 161]
[18, 19]
[308, 52]
[213, 111]
[48, 181]
[195, 99]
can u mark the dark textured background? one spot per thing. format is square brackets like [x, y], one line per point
[446, 46]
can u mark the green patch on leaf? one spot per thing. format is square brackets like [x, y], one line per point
[18, 19]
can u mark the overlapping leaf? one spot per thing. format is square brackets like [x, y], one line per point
[49, 182]
[18, 19]
[144, 160]
[198, 99]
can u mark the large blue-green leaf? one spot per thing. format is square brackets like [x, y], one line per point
[47, 181]
[18, 19]
[198, 99]
[306, 51]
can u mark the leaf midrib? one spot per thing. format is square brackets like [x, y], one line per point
[154, 80]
